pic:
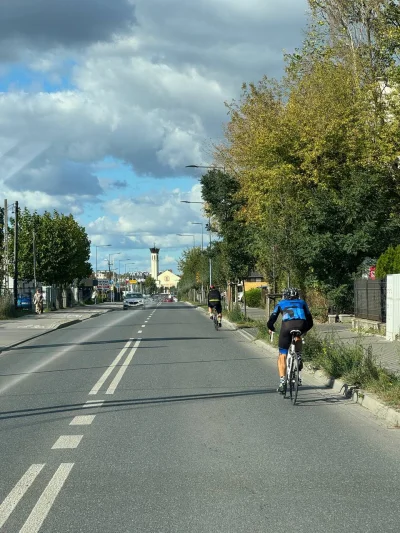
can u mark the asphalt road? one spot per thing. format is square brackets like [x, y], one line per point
[149, 420]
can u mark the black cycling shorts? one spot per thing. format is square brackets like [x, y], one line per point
[217, 306]
[285, 338]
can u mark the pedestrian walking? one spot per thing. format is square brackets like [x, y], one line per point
[38, 301]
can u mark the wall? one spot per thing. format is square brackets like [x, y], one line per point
[393, 307]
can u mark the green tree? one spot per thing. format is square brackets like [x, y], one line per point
[150, 285]
[61, 244]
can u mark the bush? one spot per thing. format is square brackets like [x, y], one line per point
[254, 298]
[236, 315]
[7, 309]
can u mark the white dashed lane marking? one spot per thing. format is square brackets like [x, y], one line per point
[11, 501]
[122, 370]
[46, 500]
[103, 378]
[67, 442]
[84, 420]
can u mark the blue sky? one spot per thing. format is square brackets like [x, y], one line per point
[102, 106]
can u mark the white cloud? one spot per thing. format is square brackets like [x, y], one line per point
[145, 87]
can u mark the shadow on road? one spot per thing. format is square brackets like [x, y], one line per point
[132, 402]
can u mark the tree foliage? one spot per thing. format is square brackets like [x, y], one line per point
[150, 285]
[313, 159]
[62, 248]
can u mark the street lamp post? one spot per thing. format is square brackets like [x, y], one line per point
[188, 235]
[98, 246]
[209, 229]
[209, 220]
[200, 224]
[119, 273]
[206, 166]
[126, 265]
[109, 270]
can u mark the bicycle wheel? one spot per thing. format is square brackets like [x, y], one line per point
[294, 382]
[289, 374]
[215, 318]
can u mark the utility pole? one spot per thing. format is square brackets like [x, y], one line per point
[34, 258]
[16, 256]
[5, 234]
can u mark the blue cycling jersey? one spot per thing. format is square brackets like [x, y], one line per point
[292, 310]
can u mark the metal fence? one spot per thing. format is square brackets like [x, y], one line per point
[370, 299]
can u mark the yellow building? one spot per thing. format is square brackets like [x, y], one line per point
[168, 279]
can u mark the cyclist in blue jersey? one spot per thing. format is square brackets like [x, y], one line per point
[295, 315]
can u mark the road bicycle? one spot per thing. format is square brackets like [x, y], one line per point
[292, 366]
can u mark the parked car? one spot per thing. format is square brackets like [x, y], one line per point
[132, 299]
[168, 299]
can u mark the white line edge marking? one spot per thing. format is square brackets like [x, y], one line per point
[103, 378]
[40, 511]
[122, 370]
[13, 498]
[92, 404]
[67, 442]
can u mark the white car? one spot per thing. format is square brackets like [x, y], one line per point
[133, 299]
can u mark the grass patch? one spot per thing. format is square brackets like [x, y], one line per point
[353, 363]
[237, 316]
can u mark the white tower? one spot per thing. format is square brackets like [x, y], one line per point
[154, 263]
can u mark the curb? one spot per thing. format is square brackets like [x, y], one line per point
[60, 326]
[365, 399]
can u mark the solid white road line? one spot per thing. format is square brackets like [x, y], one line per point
[122, 370]
[67, 441]
[11, 501]
[103, 378]
[46, 500]
[84, 420]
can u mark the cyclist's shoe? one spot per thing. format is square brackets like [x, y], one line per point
[211, 317]
[282, 386]
[220, 324]
[300, 380]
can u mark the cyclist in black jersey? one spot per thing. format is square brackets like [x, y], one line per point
[214, 300]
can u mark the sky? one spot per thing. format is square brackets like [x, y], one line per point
[104, 103]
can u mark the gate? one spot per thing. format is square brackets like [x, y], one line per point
[370, 299]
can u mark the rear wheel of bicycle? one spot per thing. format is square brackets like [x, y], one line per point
[290, 372]
[215, 318]
[294, 382]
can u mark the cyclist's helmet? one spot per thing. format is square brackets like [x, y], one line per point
[285, 293]
[291, 293]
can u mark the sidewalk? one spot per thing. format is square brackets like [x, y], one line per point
[386, 352]
[19, 330]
